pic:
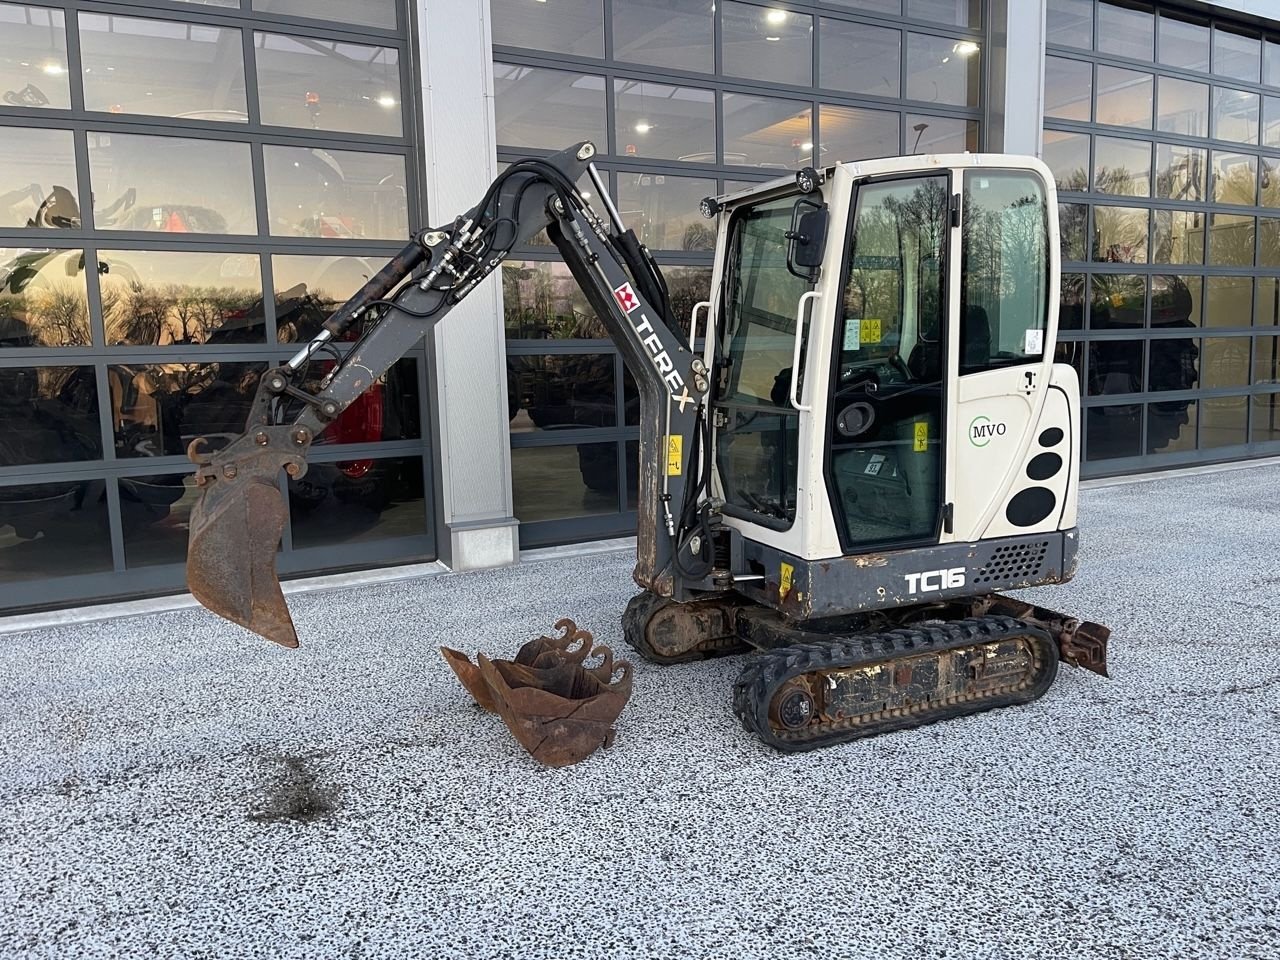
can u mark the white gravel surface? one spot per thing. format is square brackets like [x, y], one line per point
[171, 786]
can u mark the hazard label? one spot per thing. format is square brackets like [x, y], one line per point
[627, 299]
[922, 436]
[675, 456]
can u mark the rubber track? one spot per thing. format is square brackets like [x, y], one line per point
[766, 672]
[635, 620]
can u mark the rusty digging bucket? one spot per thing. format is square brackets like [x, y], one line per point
[559, 707]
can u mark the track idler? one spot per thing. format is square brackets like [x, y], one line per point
[560, 707]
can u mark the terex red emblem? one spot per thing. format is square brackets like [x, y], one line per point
[627, 299]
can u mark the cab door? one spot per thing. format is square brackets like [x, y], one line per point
[1003, 363]
[887, 414]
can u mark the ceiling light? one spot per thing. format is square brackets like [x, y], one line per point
[966, 48]
[776, 16]
[773, 39]
[806, 146]
[386, 100]
[52, 69]
[644, 126]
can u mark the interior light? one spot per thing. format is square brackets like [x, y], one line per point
[25, 63]
[773, 39]
[53, 69]
[386, 100]
[644, 126]
[776, 16]
[965, 48]
[806, 146]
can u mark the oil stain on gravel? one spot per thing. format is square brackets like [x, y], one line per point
[294, 792]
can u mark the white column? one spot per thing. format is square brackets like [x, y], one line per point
[1015, 86]
[470, 413]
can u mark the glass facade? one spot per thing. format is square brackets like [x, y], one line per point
[686, 98]
[1163, 132]
[185, 192]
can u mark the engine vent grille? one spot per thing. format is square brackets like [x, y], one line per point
[1017, 561]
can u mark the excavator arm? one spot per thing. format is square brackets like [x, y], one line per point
[236, 525]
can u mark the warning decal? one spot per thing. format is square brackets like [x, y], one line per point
[922, 436]
[785, 573]
[627, 299]
[675, 456]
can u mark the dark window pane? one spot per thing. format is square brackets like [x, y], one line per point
[851, 133]
[308, 289]
[33, 57]
[158, 409]
[1178, 237]
[688, 286]
[1228, 301]
[160, 299]
[552, 483]
[561, 392]
[663, 210]
[1115, 366]
[767, 43]
[155, 512]
[161, 68]
[1073, 228]
[356, 501]
[1120, 234]
[1231, 240]
[328, 85]
[1124, 97]
[955, 13]
[1266, 418]
[941, 134]
[859, 58]
[1122, 167]
[50, 415]
[1126, 32]
[1266, 306]
[1173, 364]
[1071, 302]
[943, 70]
[1180, 172]
[1068, 88]
[536, 107]
[1183, 44]
[1268, 242]
[53, 530]
[1223, 421]
[567, 26]
[1117, 300]
[1112, 432]
[1271, 121]
[1070, 23]
[1184, 107]
[366, 13]
[1266, 360]
[764, 132]
[171, 184]
[664, 122]
[665, 33]
[542, 301]
[1171, 427]
[1225, 361]
[1236, 56]
[43, 298]
[1235, 115]
[1175, 301]
[1235, 178]
[38, 184]
[1067, 155]
[336, 194]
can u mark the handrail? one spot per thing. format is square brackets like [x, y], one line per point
[801, 316]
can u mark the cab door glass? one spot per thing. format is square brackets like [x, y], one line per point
[1004, 296]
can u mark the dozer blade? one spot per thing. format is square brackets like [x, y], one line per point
[234, 532]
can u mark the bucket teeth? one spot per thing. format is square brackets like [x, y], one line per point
[555, 703]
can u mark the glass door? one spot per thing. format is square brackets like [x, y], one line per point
[885, 461]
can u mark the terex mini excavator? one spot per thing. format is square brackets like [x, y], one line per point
[873, 442]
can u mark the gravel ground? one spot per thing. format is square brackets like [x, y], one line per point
[170, 786]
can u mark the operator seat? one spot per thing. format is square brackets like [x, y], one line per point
[975, 339]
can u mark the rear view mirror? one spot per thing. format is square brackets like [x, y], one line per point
[807, 239]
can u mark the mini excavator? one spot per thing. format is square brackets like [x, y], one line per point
[847, 459]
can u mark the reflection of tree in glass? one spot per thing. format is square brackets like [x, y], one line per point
[539, 304]
[1121, 181]
[171, 314]
[43, 302]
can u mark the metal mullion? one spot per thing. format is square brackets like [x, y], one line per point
[106, 410]
[75, 65]
[93, 290]
[249, 57]
[539, 348]
[242, 16]
[258, 172]
[115, 525]
[571, 438]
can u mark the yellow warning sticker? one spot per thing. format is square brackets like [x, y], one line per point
[675, 456]
[922, 436]
[785, 573]
[870, 331]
